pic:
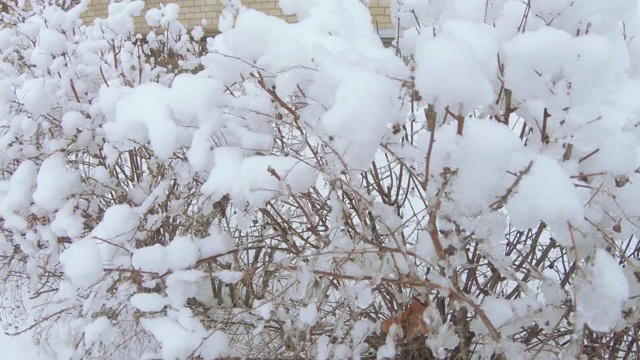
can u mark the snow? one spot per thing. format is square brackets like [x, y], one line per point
[225, 21]
[424, 247]
[34, 96]
[445, 338]
[291, 7]
[308, 315]
[448, 72]
[67, 222]
[215, 346]
[153, 17]
[497, 310]
[169, 14]
[52, 42]
[626, 195]
[176, 341]
[118, 223]
[539, 199]
[195, 95]
[197, 33]
[482, 38]
[143, 114]
[323, 348]
[600, 298]
[356, 132]
[82, 262]
[364, 295]
[217, 243]
[19, 191]
[148, 302]
[151, 258]
[225, 173]
[20, 347]
[584, 65]
[486, 147]
[182, 253]
[361, 329]
[71, 122]
[529, 53]
[41, 59]
[55, 183]
[388, 350]
[263, 309]
[617, 154]
[199, 154]
[256, 179]
[120, 15]
[182, 285]
[260, 184]
[229, 276]
[98, 330]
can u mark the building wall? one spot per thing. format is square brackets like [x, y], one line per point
[193, 11]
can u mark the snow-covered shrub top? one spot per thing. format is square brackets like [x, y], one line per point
[281, 189]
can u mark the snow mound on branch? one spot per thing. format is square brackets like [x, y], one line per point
[155, 114]
[448, 72]
[356, 131]
[182, 252]
[117, 225]
[602, 293]
[100, 330]
[215, 346]
[82, 262]
[563, 70]
[18, 192]
[182, 285]
[537, 198]
[144, 116]
[308, 316]
[52, 42]
[485, 148]
[498, 310]
[67, 221]
[35, 95]
[151, 258]
[55, 183]
[177, 342]
[148, 302]
[256, 179]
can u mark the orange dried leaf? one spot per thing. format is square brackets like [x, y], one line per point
[411, 320]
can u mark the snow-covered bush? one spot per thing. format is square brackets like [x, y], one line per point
[298, 190]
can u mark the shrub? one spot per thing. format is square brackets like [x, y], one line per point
[298, 190]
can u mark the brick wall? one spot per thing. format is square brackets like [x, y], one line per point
[193, 11]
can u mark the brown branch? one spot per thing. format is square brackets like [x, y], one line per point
[502, 200]
[431, 116]
[459, 118]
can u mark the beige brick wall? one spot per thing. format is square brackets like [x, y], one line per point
[381, 14]
[193, 11]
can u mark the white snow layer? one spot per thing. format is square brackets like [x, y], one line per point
[601, 294]
[82, 262]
